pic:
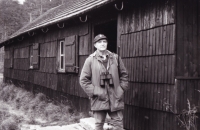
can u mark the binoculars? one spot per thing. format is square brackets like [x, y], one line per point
[105, 76]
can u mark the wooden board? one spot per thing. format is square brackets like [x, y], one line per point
[143, 15]
[187, 37]
[84, 45]
[188, 89]
[18, 63]
[157, 41]
[156, 69]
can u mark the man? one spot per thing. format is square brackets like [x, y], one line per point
[104, 78]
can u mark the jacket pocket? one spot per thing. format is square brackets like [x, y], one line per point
[101, 93]
[119, 92]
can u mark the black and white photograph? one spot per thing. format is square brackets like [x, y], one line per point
[99, 64]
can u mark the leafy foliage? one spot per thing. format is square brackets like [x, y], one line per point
[12, 17]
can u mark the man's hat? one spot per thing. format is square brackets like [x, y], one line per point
[99, 37]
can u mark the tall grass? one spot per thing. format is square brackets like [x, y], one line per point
[187, 118]
[19, 106]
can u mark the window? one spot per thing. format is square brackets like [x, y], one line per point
[34, 56]
[11, 57]
[68, 54]
[61, 56]
[31, 57]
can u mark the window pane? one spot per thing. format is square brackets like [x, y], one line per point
[61, 55]
[61, 47]
[61, 59]
[31, 56]
[31, 61]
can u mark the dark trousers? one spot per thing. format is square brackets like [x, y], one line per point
[116, 117]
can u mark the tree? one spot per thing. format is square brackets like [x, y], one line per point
[12, 17]
[38, 7]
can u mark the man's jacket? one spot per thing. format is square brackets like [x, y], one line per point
[108, 97]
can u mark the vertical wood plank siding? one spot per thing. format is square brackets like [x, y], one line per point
[147, 34]
[153, 96]
[47, 75]
[188, 90]
[84, 45]
[149, 42]
[140, 70]
[21, 52]
[148, 119]
[187, 38]
[18, 63]
[48, 49]
[48, 65]
[166, 53]
[143, 15]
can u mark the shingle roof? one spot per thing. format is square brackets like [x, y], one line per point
[59, 13]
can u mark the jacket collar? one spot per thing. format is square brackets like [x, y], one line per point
[110, 57]
[110, 54]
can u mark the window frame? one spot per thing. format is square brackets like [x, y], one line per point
[63, 55]
[31, 57]
[61, 43]
[34, 54]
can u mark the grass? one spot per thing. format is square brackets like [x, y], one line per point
[19, 107]
[187, 118]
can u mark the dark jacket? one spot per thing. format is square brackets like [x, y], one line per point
[109, 97]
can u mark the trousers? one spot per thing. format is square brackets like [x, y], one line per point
[116, 118]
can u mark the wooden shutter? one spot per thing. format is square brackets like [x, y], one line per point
[36, 59]
[11, 57]
[71, 54]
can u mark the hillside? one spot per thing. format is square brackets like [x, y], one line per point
[19, 107]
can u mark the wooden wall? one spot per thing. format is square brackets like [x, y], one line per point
[189, 89]
[138, 118]
[188, 38]
[147, 40]
[147, 119]
[159, 46]
[187, 55]
[47, 76]
[2, 53]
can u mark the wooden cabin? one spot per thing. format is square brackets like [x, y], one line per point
[159, 44]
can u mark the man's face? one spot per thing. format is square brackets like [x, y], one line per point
[101, 45]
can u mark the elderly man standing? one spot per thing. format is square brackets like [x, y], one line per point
[104, 79]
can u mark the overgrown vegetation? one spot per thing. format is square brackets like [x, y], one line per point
[19, 106]
[187, 118]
